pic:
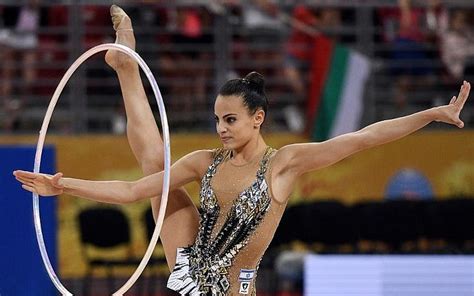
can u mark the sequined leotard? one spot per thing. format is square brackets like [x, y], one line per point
[238, 219]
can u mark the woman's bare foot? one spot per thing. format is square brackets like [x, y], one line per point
[124, 35]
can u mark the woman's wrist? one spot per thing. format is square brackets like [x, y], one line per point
[435, 113]
[65, 185]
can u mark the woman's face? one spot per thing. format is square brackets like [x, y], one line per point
[234, 124]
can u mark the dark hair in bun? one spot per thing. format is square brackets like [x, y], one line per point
[251, 88]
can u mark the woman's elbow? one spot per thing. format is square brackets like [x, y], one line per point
[364, 140]
[133, 194]
[137, 192]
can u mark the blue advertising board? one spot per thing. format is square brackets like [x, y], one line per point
[21, 268]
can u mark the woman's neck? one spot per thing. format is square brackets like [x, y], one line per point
[249, 151]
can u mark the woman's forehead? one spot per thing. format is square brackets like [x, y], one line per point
[226, 104]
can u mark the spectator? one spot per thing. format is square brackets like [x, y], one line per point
[263, 30]
[18, 42]
[409, 31]
[191, 63]
[299, 50]
[92, 18]
[457, 44]
[306, 25]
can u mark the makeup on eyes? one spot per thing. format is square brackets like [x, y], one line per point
[226, 117]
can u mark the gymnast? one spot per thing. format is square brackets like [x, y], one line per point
[245, 185]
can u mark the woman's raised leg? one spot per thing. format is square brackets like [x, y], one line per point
[182, 219]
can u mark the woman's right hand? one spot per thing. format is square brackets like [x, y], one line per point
[42, 184]
[450, 113]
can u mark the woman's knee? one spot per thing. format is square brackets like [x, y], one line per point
[152, 162]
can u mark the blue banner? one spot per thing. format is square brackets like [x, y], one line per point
[21, 268]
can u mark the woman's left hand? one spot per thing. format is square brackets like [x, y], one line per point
[41, 184]
[450, 113]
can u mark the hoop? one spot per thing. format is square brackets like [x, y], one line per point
[167, 161]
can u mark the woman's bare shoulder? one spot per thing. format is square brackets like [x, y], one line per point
[200, 160]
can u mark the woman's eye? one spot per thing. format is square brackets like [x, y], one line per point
[230, 120]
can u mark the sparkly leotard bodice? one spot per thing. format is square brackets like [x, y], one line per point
[235, 229]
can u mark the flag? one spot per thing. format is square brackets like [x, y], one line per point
[338, 77]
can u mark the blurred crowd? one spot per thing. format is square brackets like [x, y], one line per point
[423, 45]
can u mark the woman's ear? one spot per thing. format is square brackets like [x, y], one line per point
[259, 117]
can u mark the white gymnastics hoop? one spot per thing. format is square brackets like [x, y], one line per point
[167, 162]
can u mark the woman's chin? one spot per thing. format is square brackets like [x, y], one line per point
[227, 145]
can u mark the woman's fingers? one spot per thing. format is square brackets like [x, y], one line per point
[47, 184]
[25, 174]
[463, 94]
[461, 91]
[19, 176]
[453, 99]
[29, 188]
[25, 181]
[25, 177]
[22, 180]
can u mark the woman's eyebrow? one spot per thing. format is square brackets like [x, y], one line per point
[227, 115]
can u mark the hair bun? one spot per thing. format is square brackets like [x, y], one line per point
[257, 80]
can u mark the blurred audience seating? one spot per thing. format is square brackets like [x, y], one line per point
[193, 48]
[380, 227]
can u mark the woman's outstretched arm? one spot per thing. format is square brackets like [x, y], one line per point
[184, 171]
[301, 158]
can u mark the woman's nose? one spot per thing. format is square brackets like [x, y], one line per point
[221, 128]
